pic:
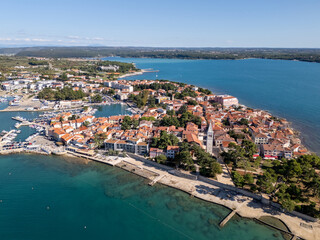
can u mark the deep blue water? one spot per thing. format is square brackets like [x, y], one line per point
[288, 89]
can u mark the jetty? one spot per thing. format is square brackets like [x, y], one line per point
[154, 181]
[227, 218]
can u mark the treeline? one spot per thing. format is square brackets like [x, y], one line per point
[156, 86]
[187, 92]
[35, 62]
[309, 55]
[65, 93]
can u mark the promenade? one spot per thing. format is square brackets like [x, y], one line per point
[244, 206]
[215, 192]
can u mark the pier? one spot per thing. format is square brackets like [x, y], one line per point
[227, 218]
[154, 181]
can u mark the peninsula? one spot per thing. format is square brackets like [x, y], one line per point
[180, 135]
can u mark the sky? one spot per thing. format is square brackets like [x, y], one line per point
[161, 23]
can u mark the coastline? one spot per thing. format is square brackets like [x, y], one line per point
[243, 206]
[133, 74]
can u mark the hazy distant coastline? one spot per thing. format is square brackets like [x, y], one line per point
[297, 54]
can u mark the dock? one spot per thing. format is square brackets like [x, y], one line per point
[154, 181]
[6, 135]
[227, 218]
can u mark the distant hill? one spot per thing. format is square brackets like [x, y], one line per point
[300, 54]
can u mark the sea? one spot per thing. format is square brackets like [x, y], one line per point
[51, 197]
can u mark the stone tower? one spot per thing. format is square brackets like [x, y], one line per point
[210, 138]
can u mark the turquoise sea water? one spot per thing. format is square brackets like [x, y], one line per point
[58, 198]
[50, 197]
[288, 89]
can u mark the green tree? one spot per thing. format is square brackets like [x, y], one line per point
[64, 77]
[192, 102]
[266, 181]
[244, 121]
[99, 139]
[248, 179]
[86, 123]
[97, 98]
[237, 179]
[184, 158]
[161, 159]
[111, 92]
[126, 123]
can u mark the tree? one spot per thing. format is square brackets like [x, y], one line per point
[64, 77]
[244, 121]
[184, 157]
[65, 93]
[189, 117]
[97, 98]
[182, 109]
[161, 159]
[164, 140]
[288, 204]
[192, 102]
[126, 123]
[73, 117]
[315, 186]
[99, 139]
[265, 182]
[237, 179]
[169, 121]
[248, 179]
[249, 147]
[292, 168]
[111, 92]
[86, 123]
[171, 113]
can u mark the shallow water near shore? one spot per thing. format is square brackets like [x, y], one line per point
[47, 197]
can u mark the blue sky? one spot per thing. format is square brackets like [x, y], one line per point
[161, 23]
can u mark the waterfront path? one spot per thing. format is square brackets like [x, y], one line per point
[245, 206]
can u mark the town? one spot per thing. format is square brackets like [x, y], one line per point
[175, 124]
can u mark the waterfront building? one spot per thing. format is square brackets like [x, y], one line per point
[227, 100]
[132, 145]
[172, 151]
